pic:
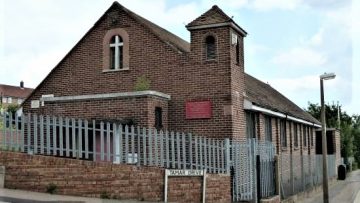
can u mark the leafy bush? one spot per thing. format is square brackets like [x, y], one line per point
[12, 108]
[51, 188]
[142, 84]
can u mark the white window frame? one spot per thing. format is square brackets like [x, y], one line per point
[117, 46]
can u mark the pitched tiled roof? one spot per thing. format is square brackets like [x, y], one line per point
[14, 91]
[215, 16]
[160, 32]
[263, 95]
[212, 16]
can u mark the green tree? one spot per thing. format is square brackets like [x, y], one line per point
[12, 108]
[331, 115]
[356, 137]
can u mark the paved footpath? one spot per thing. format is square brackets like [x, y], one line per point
[347, 191]
[21, 196]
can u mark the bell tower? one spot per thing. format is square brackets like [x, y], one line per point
[216, 47]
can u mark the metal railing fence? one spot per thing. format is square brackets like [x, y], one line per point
[245, 168]
[301, 177]
[113, 142]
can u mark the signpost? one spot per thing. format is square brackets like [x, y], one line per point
[180, 172]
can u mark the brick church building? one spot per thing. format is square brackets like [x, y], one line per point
[129, 70]
[197, 87]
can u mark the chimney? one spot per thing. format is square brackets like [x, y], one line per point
[22, 84]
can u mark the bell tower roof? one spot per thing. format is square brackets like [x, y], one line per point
[214, 17]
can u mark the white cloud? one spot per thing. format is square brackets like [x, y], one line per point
[327, 5]
[31, 68]
[253, 48]
[38, 34]
[39, 67]
[53, 28]
[258, 5]
[307, 88]
[298, 84]
[355, 14]
[340, 19]
[300, 57]
[166, 17]
[265, 5]
[317, 39]
[234, 4]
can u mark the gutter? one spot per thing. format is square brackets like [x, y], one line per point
[248, 105]
[231, 24]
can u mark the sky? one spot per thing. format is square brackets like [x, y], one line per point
[290, 43]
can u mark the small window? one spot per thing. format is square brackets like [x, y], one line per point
[19, 101]
[4, 100]
[158, 118]
[9, 100]
[251, 120]
[268, 129]
[210, 48]
[238, 52]
[296, 139]
[116, 53]
[283, 133]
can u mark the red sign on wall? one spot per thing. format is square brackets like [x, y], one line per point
[198, 109]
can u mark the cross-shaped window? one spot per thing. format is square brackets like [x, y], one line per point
[116, 52]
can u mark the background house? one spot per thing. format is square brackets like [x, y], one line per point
[13, 95]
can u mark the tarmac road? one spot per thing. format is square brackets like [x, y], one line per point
[17, 200]
[21, 196]
[347, 191]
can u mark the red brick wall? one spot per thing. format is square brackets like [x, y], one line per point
[189, 189]
[291, 156]
[237, 89]
[91, 179]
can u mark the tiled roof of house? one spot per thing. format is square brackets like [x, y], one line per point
[15, 91]
[263, 95]
[160, 32]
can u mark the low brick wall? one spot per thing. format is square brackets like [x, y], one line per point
[274, 199]
[189, 189]
[93, 179]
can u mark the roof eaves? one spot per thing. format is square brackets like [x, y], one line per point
[230, 23]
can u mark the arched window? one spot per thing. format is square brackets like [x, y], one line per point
[238, 52]
[210, 47]
[116, 52]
